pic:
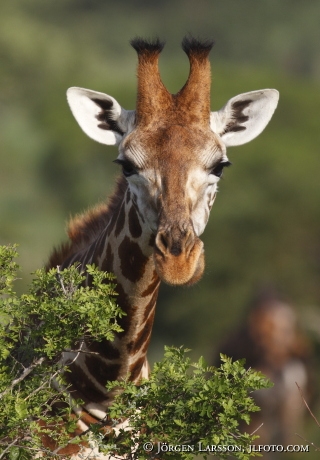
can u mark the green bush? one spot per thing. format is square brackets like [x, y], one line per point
[183, 410]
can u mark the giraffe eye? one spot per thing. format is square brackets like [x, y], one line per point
[218, 169]
[127, 167]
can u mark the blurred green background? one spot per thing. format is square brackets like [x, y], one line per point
[264, 228]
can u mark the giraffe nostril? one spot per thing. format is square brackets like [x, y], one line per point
[164, 241]
[166, 244]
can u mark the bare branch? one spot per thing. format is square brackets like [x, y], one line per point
[14, 443]
[9, 447]
[308, 442]
[307, 406]
[256, 429]
[24, 374]
[81, 351]
[61, 280]
[47, 382]
[77, 355]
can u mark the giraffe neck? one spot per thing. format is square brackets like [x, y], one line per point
[125, 248]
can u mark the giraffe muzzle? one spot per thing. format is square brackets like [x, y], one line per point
[179, 257]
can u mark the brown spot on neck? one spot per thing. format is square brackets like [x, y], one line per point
[135, 369]
[132, 260]
[151, 305]
[107, 263]
[155, 282]
[126, 320]
[141, 341]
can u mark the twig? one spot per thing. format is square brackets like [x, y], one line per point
[306, 404]
[256, 429]
[69, 350]
[36, 450]
[47, 382]
[312, 415]
[77, 355]
[8, 447]
[24, 374]
[61, 280]
[308, 442]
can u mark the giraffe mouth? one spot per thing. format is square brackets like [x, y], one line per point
[179, 264]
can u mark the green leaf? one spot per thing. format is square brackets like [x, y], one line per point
[21, 408]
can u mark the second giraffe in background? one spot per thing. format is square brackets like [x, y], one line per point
[271, 341]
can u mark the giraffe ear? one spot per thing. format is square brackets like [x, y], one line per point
[99, 115]
[245, 116]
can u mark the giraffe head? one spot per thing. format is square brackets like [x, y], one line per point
[172, 149]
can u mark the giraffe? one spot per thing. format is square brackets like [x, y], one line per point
[271, 340]
[172, 151]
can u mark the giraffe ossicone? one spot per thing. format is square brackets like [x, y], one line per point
[172, 150]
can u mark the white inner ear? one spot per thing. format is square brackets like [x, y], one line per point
[239, 126]
[87, 112]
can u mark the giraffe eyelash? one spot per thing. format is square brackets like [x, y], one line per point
[218, 169]
[128, 168]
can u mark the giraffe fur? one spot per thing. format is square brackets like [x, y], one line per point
[172, 150]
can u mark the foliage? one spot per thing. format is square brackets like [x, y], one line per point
[181, 404]
[34, 331]
[185, 409]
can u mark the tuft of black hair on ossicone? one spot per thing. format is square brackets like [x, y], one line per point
[142, 45]
[192, 45]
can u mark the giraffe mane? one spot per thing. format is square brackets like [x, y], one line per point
[84, 228]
